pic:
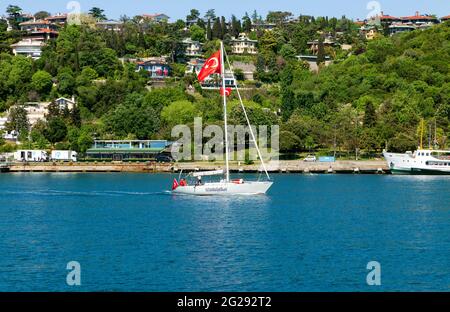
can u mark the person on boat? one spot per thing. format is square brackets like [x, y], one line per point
[199, 181]
[183, 182]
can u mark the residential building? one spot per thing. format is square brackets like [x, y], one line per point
[445, 18]
[127, 149]
[420, 19]
[263, 26]
[59, 19]
[158, 17]
[110, 25]
[192, 48]
[28, 47]
[36, 25]
[314, 45]
[64, 103]
[400, 28]
[384, 19]
[312, 61]
[370, 32]
[194, 66]
[157, 67]
[243, 45]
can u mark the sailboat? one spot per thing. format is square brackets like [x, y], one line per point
[225, 186]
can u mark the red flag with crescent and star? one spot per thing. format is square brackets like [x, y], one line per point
[225, 91]
[212, 66]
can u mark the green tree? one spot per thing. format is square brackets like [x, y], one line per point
[42, 82]
[97, 13]
[178, 113]
[197, 33]
[18, 120]
[56, 130]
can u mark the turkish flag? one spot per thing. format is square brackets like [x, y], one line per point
[175, 184]
[212, 66]
[226, 91]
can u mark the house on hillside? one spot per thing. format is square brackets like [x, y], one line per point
[59, 19]
[157, 67]
[314, 45]
[65, 103]
[445, 18]
[28, 47]
[192, 48]
[400, 28]
[194, 66]
[110, 25]
[36, 25]
[248, 69]
[157, 18]
[243, 45]
[418, 19]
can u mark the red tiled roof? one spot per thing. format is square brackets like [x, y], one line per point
[388, 17]
[445, 17]
[418, 17]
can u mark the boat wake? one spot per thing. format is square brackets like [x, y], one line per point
[106, 193]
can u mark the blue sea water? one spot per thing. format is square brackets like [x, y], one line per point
[310, 233]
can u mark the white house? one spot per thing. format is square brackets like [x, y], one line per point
[28, 47]
[243, 45]
[64, 102]
[192, 48]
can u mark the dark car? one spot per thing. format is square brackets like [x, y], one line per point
[164, 159]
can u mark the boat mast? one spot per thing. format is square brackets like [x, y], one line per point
[248, 120]
[227, 158]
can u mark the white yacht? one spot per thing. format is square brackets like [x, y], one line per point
[225, 186]
[422, 161]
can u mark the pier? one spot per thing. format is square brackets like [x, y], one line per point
[285, 167]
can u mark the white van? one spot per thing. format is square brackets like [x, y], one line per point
[30, 155]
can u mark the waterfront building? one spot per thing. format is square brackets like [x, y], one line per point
[192, 48]
[243, 45]
[110, 25]
[157, 67]
[119, 150]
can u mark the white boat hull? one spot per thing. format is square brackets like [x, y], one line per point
[225, 188]
[421, 162]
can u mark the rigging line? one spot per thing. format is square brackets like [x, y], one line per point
[246, 116]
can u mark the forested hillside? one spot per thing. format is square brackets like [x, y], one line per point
[373, 96]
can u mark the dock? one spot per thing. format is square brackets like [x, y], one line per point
[284, 167]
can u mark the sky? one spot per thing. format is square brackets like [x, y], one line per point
[178, 9]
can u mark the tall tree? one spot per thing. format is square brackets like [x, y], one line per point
[210, 14]
[193, 15]
[98, 14]
[217, 29]
[18, 120]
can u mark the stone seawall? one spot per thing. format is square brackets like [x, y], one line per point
[283, 167]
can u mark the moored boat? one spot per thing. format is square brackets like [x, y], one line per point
[433, 162]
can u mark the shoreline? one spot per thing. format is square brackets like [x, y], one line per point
[339, 167]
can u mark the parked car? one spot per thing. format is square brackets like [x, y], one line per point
[164, 159]
[310, 158]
